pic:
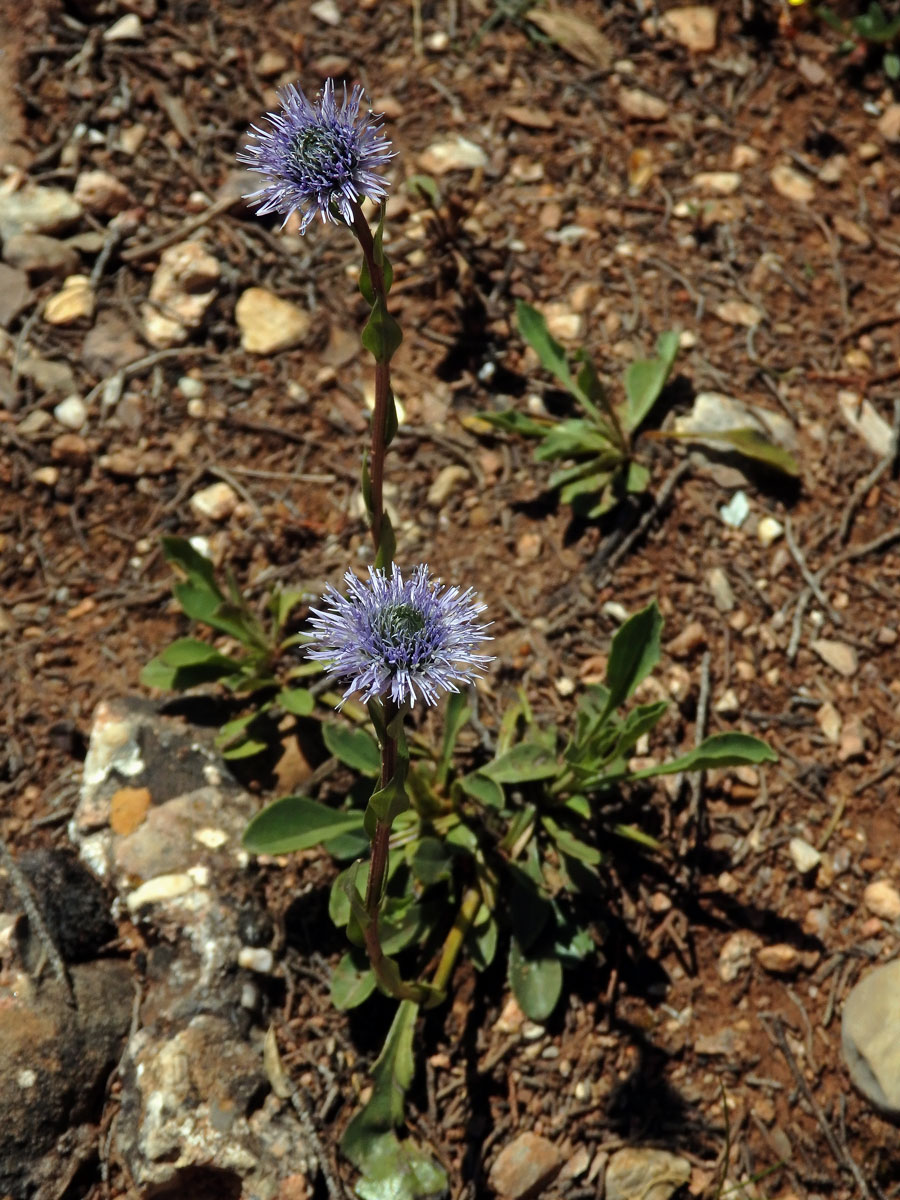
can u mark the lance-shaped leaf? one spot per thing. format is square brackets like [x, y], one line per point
[719, 750]
[297, 823]
[633, 655]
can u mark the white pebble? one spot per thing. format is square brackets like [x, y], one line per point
[256, 958]
[804, 856]
[71, 412]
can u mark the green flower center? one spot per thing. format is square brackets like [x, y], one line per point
[398, 622]
[321, 152]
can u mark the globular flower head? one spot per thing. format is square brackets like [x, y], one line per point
[318, 158]
[407, 639]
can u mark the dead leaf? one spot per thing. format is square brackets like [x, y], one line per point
[579, 38]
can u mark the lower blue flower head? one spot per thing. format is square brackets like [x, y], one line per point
[406, 639]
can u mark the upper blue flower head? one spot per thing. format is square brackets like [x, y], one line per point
[318, 158]
[403, 638]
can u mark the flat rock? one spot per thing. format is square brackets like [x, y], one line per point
[54, 1062]
[38, 210]
[101, 193]
[15, 294]
[183, 287]
[792, 184]
[634, 102]
[870, 1037]
[39, 256]
[268, 323]
[636, 1171]
[693, 26]
[840, 656]
[524, 1167]
[455, 154]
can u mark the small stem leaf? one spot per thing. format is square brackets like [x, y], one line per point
[719, 750]
[536, 981]
[388, 802]
[633, 655]
[390, 420]
[355, 748]
[381, 335]
[296, 823]
[387, 546]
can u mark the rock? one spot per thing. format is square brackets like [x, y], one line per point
[271, 63]
[110, 345]
[780, 959]
[74, 302]
[48, 375]
[851, 231]
[455, 154]
[870, 1037]
[719, 183]
[524, 1167]
[511, 1018]
[829, 721]
[693, 26]
[71, 449]
[736, 511]
[193, 1089]
[54, 1063]
[72, 901]
[864, 419]
[101, 193]
[34, 424]
[691, 638]
[268, 323]
[127, 29]
[327, 12]
[728, 704]
[804, 856]
[790, 183]
[716, 412]
[71, 412]
[40, 256]
[447, 482]
[838, 655]
[47, 476]
[217, 502]
[736, 954]
[636, 1171]
[768, 531]
[563, 322]
[132, 137]
[852, 744]
[641, 105]
[738, 312]
[184, 285]
[882, 900]
[15, 294]
[720, 587]
[37, 210]
[889, 123]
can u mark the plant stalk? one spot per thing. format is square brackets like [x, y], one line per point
[378, 862]
[468, 911]
[382, 380]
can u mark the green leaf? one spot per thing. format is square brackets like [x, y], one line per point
[638, 478]
[529, 909]
[891, 65]
[571, 845]
[429, 861]
[481, 788]
[482, 944]
[515, 422]
[633, 654]
[646, 378]
[178, 552]
[296, 823]
[536, 981]
[381, 335]
[298, 701]
[388, 802]
[573, 437]
[525, 761]
[352, 981]
[592, 393]
[751, 443]
[355, 748]
[190, 652]
[719, 750]
[157, 675]
[400, 924]
[533, 329]
[425, 186]
[456, 714]
[338, 899]
[391, 1169]
[248, 748]
[631, 833]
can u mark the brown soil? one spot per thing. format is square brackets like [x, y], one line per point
[85, 590]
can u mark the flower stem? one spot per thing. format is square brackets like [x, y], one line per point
[378, 862]
[468, 911]
[382, 380]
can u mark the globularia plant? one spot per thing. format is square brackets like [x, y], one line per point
[468, 851]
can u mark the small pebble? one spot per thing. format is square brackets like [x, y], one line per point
[804, 856]
[256, 958]
[736, 511]
[768, 531]
[882, 900]
[780, 959]
[126, 29]
[71, 412]
[218, 501]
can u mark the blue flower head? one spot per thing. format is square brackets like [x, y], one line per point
[404, 638]
[318, 158]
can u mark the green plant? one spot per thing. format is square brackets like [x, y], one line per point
[505, 856]
[256, 665]
[602, 441]
[870, 27]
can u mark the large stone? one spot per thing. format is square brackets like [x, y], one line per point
[649, 1174]
[184, 285]
[54, 1062]
[38, 210]
[268, 323]
[524, 1166]
[870, 1037]
[40, 256]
